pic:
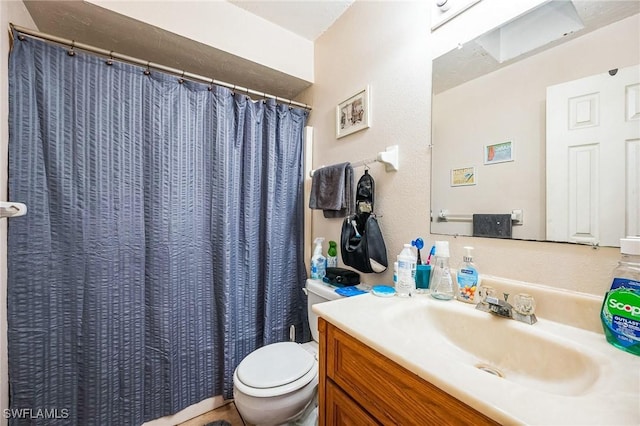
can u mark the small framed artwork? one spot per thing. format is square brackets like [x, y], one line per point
[498, 152]
[353, 114]
[463, 177]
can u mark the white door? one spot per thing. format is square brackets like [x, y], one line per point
[593, 158]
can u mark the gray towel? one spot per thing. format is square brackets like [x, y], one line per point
[332, 190]
[492, 225]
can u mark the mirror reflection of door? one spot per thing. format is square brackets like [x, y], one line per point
[593, 127]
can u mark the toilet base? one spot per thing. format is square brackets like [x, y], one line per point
[310, 415]
[277, 410]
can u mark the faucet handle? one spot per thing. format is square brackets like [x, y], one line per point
[506, 296]
[524, 304]
[485, 291]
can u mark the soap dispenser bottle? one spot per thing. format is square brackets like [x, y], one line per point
[443, 287]
[468, 279]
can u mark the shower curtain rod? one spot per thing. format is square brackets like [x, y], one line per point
[136, 61]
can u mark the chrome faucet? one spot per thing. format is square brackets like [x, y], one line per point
[523, 311]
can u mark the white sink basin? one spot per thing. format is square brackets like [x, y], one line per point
[551, 373]
[510, 350]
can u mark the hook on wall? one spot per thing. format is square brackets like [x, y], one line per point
[11, 209]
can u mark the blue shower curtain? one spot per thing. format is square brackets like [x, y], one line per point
[163, 241]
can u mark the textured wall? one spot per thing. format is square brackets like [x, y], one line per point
[383, 45]
[387, 45]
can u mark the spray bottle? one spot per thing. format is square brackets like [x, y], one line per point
[318, 261]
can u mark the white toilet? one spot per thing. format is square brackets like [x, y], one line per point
[278, 383]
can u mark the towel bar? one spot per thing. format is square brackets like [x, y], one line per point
[445, 216]
[389, 158]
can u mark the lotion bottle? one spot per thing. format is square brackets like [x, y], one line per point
[468, 279]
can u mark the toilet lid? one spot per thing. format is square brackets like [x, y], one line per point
[275, 365]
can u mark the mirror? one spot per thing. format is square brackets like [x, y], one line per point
[489, 124]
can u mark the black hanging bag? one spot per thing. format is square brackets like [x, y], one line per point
[361, 239]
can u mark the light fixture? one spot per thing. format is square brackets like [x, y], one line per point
[443, 5]
[545, 24]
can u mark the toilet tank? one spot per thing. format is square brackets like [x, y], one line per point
[318, 292]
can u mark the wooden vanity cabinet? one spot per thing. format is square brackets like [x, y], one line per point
[359, 386]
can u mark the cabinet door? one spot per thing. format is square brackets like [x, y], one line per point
[342, 410]
[387, 391]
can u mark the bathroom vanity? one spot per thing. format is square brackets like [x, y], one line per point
[422, 361]
[359, 386]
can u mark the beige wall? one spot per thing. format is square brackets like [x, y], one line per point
[10, 12]
[509, 104]
[383, 45]
[386, 45]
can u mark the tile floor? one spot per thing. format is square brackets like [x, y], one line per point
[227, 412]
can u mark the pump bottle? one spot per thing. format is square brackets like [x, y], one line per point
[443, 287]
[468, 278]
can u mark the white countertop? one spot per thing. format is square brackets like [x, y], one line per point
[611, 398]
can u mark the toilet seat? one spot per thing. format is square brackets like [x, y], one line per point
[275, 369]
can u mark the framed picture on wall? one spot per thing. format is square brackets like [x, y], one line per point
[353, 114]
[498, 152]
[464, 176]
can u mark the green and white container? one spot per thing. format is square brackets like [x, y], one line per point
[620, 312]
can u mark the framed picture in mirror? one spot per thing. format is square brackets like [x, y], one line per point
[498, 152]
[464, 176]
